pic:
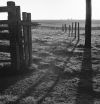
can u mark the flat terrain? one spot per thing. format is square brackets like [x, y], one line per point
[56, 64]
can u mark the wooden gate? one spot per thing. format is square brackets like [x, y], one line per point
[18, 34]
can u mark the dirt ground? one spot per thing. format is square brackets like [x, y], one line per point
[47, 83]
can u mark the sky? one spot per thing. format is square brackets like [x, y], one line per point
[55, 9]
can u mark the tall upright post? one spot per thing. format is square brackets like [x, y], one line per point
[78, 31]
[65, 28]
[24, 14]
[69, 29]
[29, 38]
[88, 24]
[13, 35]
[85, 84]
[62, 27]
[87, 50]
[72, 28]
[75, 29]
[19, 36]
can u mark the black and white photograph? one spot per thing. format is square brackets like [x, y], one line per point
[49, 51]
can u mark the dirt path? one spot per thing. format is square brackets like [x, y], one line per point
[48, 84]
[49, 53]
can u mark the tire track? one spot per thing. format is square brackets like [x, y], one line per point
[58, 77]
[49, 89]
[30, 89]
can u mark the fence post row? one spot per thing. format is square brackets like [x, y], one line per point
[19, 35]
[74, 28]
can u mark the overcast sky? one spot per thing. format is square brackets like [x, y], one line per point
[56, 9]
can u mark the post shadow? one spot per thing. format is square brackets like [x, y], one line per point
[85, 87]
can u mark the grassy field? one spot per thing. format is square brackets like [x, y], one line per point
[52, 55]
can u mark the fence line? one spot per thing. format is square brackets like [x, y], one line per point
[19, 35]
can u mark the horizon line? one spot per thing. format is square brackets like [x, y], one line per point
[61, 19]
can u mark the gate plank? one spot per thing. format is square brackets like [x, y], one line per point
[3, 28]
[4, 48]
[4, 36]
[4, 9]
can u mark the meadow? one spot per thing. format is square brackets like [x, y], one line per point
[56, 64]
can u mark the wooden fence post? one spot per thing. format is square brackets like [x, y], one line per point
[78, 31]
[65, 28]
[14, 49]
[19, 37]
[72, 28]
[24, 14]
[86, 77]
[69, 29]
[29, 38]
[75, 29]
[88, 24]
[62, 27]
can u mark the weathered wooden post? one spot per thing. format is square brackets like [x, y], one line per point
[69, 29]
[19, 36]
[65, 28]
[29, 38]
[15, 59]
[62, 27]
[85, 84]
[25, 32]
[75, 29]
[88, 24]
[78, 31]
[72, 29]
